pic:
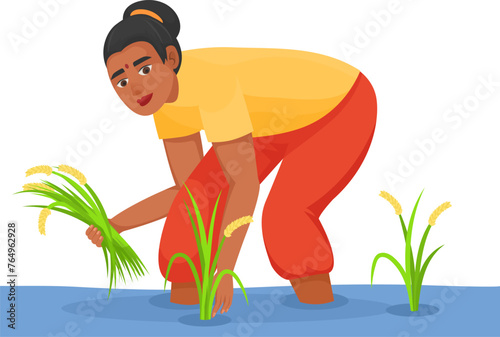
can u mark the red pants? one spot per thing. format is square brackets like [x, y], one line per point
[318, 161]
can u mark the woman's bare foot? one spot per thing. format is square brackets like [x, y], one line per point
[184, 293]
[315, 289]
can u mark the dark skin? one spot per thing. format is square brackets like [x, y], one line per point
[144, 83]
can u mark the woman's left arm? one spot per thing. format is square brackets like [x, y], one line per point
[237, 160]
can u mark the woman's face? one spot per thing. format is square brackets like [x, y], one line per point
[141, 79]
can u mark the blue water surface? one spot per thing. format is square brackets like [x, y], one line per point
[358, 310]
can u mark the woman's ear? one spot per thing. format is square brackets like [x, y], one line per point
[172, 57]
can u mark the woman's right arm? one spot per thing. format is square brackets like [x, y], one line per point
[184, 154]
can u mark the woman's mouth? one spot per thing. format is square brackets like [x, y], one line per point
[145, 99]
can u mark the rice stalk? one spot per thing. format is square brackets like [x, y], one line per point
[393, 201]
[236, 224]
[413, 273]
[84, 205]
[39, 169]
[37, 186]
[205, 283]
[73, 172]
[437, 212]
[42, 219]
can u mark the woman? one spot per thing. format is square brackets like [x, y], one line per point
[259, 107]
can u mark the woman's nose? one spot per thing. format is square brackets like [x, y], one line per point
[137, 90]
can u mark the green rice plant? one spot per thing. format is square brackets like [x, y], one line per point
[205, 283]
[81, 202]
[413, 273]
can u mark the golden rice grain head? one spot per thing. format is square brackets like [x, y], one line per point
[37, 186]
[236, 224]
[42, 219]
[437, 212]
[393, 201]
[39, 169]
[74, 172]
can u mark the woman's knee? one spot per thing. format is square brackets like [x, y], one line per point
[295, 242]
[276, 214]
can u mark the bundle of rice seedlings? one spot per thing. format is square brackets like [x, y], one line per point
[207, 287]
[413, 273]
[82, 203]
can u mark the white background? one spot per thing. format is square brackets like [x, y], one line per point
[428, 57]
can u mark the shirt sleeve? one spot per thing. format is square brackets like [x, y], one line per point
[223, 109]
[167, 126]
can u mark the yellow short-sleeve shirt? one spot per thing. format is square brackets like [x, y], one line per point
[231, 92]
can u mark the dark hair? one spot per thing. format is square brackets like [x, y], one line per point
[141, 27]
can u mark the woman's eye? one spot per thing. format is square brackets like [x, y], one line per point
[122, 83]
[145, 70]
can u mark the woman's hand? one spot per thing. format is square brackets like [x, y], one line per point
[223, 295]
[95, 236]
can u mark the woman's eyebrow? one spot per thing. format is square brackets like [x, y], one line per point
[142, 59]
[117, 73]
[139, 61]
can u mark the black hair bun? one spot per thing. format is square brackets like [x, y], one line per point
[169, 17]
[154, 23]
